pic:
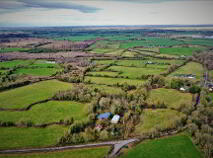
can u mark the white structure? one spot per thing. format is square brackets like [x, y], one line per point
[115, 119]
[182, 89]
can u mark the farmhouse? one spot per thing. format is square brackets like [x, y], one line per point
[115, 119]
[105, 115]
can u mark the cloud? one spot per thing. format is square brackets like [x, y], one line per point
[17, 5]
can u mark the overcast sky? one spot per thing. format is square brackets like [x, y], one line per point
[104, 12]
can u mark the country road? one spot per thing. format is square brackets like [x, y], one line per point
[117, 147]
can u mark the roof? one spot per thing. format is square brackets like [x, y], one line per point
[115, 119]
[104, 115]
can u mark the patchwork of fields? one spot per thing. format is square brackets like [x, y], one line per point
[133, 75]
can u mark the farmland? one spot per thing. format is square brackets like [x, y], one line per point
[12, 137]
[172, 98]
[161, 119]
[190, 68]
[179, 51]
[112, 81]
[176, 146]
[75, 86]
[24, 96]
[50, 112]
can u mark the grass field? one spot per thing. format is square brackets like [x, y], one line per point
[52, 111]
[202, 42]
[12, 137]
[103, 73]
[98, 152]
[10, 64]
[150, 42]
[129, 54]
[37, 71]
[179, 51]
[23, 96]
[190, 68]
[112, 81]
[134, 73]
[172, 98]
[106, 89]
[6, 50]
[159, 118]
[179, 146]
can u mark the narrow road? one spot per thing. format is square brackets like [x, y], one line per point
[117, 147]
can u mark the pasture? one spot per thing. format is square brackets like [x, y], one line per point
[135, 73]
[190, 68]
[112, 81]
[24, 96]
[159, 119]
[103, 73]
[37, 71]
[7, 50]
[172, 98]
[49, 112]
[13, 63]
[13, 137]
[179, 146]
[186, 51]
[97, 152]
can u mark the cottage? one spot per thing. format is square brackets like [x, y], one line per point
[115, 119]
[105, 115]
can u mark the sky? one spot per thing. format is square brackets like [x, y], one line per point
[26, 13]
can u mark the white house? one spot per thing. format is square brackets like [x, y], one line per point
[115, 119]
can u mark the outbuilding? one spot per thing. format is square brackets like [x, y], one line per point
[115, 119]
[105, 115]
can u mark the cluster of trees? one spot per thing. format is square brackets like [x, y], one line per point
[205, 58]
[78, 93]
[200, 124]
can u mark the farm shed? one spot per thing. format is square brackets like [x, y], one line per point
[104, 115]
[115, 119]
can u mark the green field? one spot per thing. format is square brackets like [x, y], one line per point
[37, 71]
[98, 152]
[180, 51]
[12, 63]
[23, 96]
[134, 73]
[12, 137]
[103, 73]
[112, 81]
[157, 119]
[190, 68]
[52, 111]
[106, 89]
[172, 98]
[202, 42]
[151, 42]
[179, 146]
[7, 50]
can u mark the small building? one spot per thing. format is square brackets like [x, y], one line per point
[105, 115]
[115, 119]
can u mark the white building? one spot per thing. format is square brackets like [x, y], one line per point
[115, 119]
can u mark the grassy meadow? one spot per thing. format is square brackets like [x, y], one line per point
[52, 111]
[190, 68]
[172, 98]
[179, 146]
[13, 137]
[24, 96]
[112, 81]
[162, 119]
